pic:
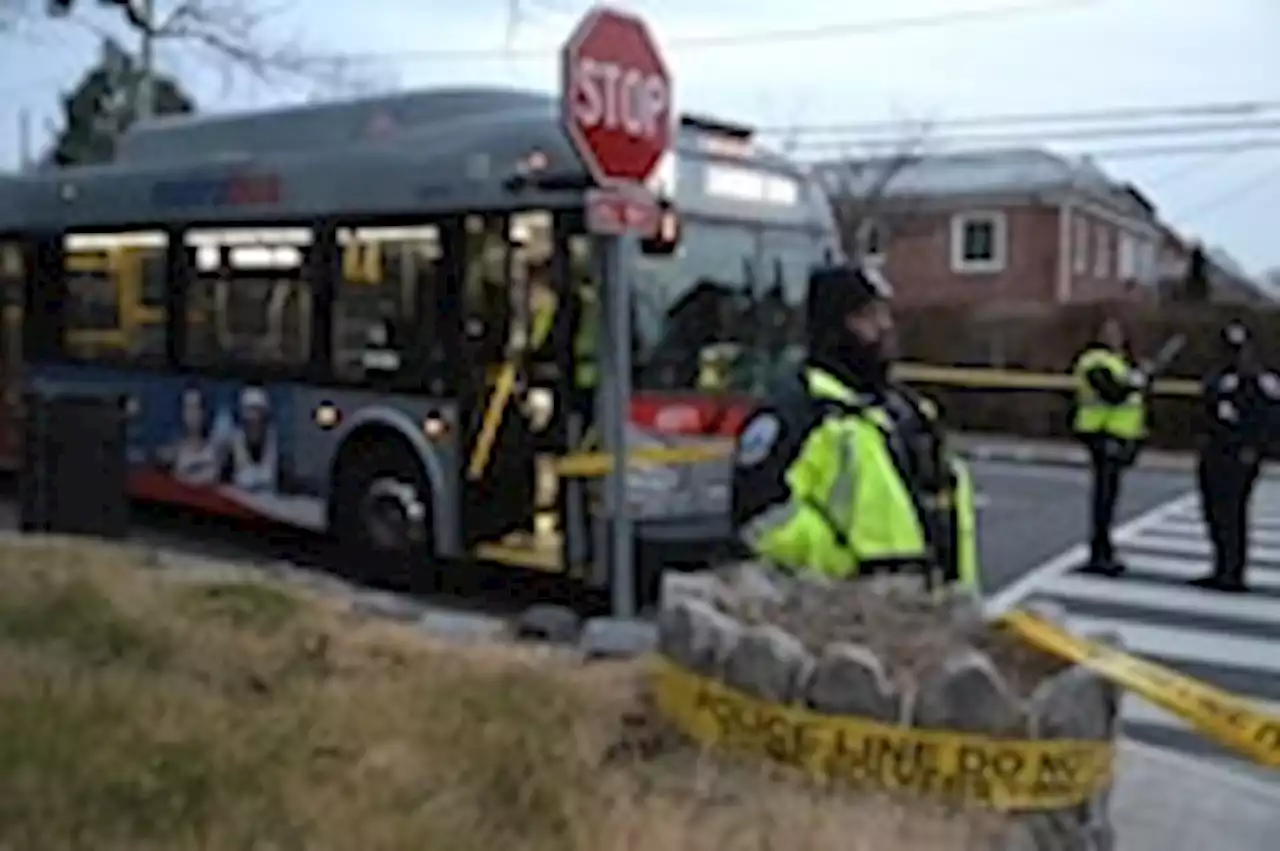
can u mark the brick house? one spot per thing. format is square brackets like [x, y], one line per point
[1228, 282]
[1008, 226]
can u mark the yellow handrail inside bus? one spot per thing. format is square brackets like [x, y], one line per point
[590, 465]
[498, 401]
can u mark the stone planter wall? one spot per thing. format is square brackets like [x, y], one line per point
[781, 640]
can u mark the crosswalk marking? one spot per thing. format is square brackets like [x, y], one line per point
[1263, 579]
[1231, 640]
[1194, 528]
[1200, 646]
[1088, 589]
[1197, 547]
[1139, 711]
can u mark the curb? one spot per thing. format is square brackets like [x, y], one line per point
[1064, 456]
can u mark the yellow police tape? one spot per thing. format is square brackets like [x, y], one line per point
[595, 464]
[988, 378]
[984, 771]
[1227, 719]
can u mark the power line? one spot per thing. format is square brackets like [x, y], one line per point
[1140, 152]
[1045, 137]
[1222, 109]
[1260, 180]
[745, 39]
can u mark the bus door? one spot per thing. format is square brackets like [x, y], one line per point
[14, 262]
[506, 299]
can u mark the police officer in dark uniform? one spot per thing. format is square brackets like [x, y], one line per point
[1240, 404]
[843, 472]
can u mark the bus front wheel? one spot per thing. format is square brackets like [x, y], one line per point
[381, 513]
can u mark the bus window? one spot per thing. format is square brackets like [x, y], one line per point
[13, 275]
[108, 311]
[532, 298]
[248, 300]
[384, 312]
[690, 305]
[486, 297]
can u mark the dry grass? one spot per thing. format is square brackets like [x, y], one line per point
[139, 712]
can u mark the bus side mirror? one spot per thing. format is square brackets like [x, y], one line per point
[667, 238]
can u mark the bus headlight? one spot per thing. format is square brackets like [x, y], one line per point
[435, 427]
[327, 416]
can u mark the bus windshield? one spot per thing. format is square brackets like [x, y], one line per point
[722, 313]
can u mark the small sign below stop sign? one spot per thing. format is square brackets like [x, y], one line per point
[616, 105]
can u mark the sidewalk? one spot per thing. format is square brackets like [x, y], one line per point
[978, 446]
[1165, 801]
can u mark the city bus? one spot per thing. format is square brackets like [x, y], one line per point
[321, 316]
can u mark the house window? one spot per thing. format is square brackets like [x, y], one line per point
[1147, 262]
[978, 243]
[1127, 257]
[1102, 253]
[1080, 245]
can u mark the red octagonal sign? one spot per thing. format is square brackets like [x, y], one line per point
[616, 97]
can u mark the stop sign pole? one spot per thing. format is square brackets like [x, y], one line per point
[616, 110]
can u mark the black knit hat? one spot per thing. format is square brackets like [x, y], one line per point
[837, 291]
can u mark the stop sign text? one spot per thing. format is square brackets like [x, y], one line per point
[612, 97]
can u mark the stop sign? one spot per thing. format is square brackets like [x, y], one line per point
[616, 97]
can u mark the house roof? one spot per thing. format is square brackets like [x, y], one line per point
[984, 172]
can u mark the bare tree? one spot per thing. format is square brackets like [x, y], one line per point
[868, 203]
[232, 34]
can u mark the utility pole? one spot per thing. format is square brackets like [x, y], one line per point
[144, 19]
[24, 139]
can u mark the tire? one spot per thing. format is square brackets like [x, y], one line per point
[383, 539]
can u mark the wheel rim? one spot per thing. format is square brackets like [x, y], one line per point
[393, 515]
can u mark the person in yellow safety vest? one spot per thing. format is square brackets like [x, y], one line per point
[585, 322]
[841, 470]
[1110, 419]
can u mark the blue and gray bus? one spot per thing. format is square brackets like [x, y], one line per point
[308, 308]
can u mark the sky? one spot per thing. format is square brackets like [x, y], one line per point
[1049, 57]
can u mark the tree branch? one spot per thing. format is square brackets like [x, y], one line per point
[860, 192]
[232, 32]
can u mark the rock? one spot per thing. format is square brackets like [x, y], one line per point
[696, 636]
[463, 626]
[1073, 704]
[1047, 831]
[849, 679]
[546, 622]
[750, 580]
[967, 694]
[898, 587]
[678, 585]
[769, 664]
[963, 609]
[1100, 828]
[1018, 836]
[617, 638]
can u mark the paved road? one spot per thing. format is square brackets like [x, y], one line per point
[1231, 641]
[1031, 513]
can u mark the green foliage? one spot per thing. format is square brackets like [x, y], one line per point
[104, 104]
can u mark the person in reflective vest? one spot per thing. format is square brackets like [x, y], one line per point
[841, 470]
[1111, 421]
[586, 330]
